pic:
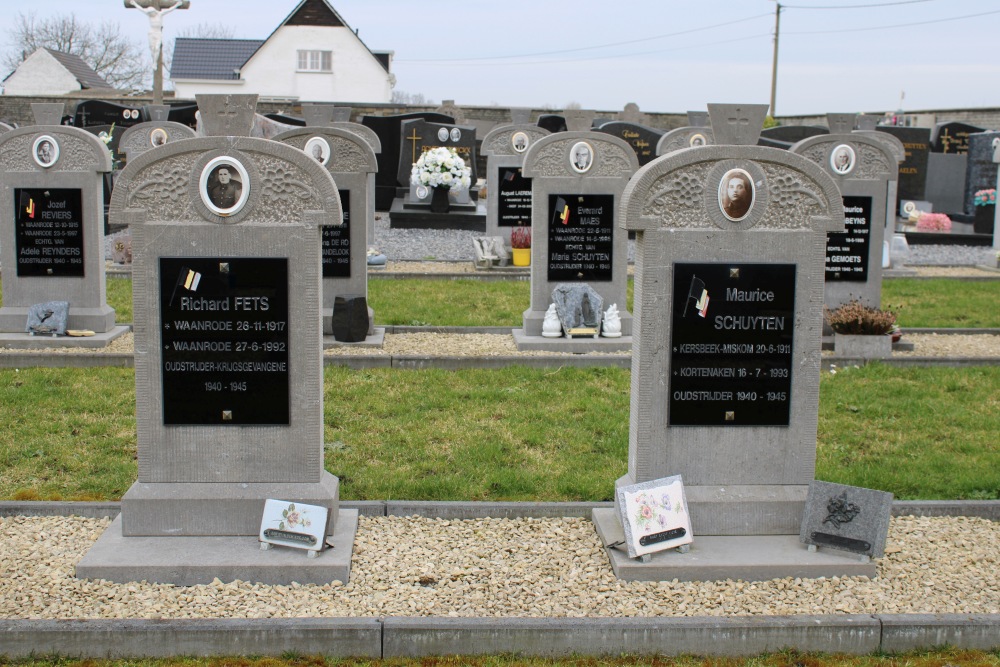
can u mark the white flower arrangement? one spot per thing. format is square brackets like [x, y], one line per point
[441, 168]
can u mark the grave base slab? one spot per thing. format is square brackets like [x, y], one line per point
[189, 561]
[375, 340]
[466, 218]
[714, 558]
[525, 343]
[25, 341]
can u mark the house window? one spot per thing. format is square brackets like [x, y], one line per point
[315, 61]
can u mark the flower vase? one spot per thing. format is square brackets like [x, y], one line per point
[440, 203]
[983, 221]
[521, 256]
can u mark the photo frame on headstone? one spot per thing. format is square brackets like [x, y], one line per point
[318, 149]
[654, 516]
[842, 159]
[158, 137]
[224, 185]
[45, 150]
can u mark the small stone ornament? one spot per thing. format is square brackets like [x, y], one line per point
[846, 518]
[654, 516]
[612, 325]
[551, 328]
[48, 319]
[579, 307]
[293, 525]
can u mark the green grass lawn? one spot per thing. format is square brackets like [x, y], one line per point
[511, 434]
[939, 303]
[786, 658]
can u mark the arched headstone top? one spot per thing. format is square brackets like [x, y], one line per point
[737, 124]
[172, 184]
[501, 140]
[362, 131]
[683, 190]
[70, 149]
[338, 150]
[850, 156]
[154, 134]
[559, 156]
[894, 145]
[685, 137]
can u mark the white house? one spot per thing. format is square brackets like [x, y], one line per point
[48, 72]
[312, 56]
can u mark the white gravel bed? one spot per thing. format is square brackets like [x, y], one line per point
[502, 567]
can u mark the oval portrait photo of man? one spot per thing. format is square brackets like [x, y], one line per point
[736, 193]
[224, 186]
[318, 149]
[581, 156]
[45, 150]
[842, 159]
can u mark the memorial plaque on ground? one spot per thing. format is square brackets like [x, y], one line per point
[643, 140]
[228, 337]
[581, 238]
[51, 227]
[49, 232]
[913, 170]
[731, 355]
[225, 340]
[847, 518]
[508, 198]
[576, 183]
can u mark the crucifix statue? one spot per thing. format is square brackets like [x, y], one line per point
[155, 10]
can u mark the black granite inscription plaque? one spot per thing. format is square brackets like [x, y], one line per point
[642, 139]
[581, 237]
[841, 542]
[337, 243]
[49, 232]
[913, 170]
[731, 344]
[847, 252]
[513, 198]
[224, 326]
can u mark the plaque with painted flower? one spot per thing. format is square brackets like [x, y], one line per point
[654, 516]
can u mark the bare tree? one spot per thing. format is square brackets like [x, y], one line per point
[413, 99]
[119, 60]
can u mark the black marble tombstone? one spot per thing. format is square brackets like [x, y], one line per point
[551, 122]
[419, 135]
[783, 136]
[913, 170]
[952, 137]
[98, 112]
[642, 139]
[387, 128]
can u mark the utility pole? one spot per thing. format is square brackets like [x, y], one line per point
[774, 62]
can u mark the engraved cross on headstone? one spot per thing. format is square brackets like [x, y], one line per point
[227, 115]
[841, 123]
[737, 124]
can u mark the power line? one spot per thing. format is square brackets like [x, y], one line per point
[887, 27]
[883, 4]
[591, 48]
[466, 63]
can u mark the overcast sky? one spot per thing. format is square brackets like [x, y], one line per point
[664, 55]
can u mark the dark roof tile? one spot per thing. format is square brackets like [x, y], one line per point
[83, 72]
[200, 58]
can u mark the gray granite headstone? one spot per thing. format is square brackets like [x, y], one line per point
[685, 137]
[143, 137]
[48, 318]
[846, 518]
[577, 180]
[697, 118]
[52, 225]
[158, 112]
[317, 115]
[519, 116]
[632, 114]
[227, 289]
[864, 170]
[351, 161]
[716, 299]
[508, 192]
[227, 115]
